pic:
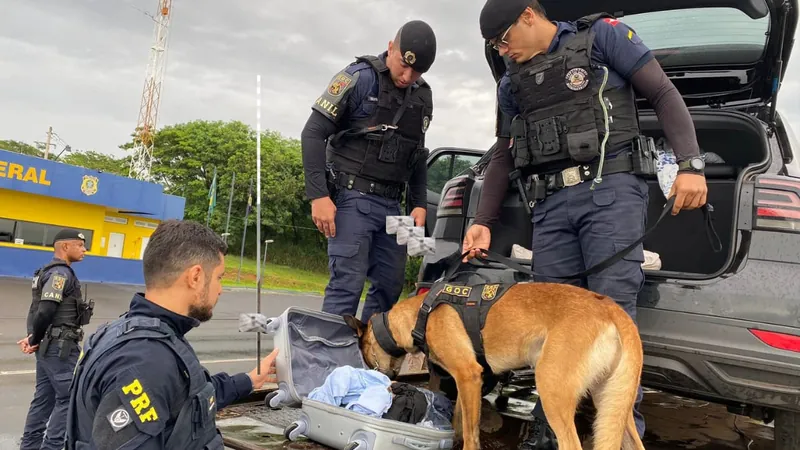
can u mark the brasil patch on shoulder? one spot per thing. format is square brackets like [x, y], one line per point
[339, 84]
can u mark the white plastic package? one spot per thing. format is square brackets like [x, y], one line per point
[666, 166]
[421, 246]
[395, 222]
[404, 234]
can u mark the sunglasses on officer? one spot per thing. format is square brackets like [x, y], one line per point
[497, 43]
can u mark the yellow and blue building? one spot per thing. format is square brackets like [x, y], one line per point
[39, 197]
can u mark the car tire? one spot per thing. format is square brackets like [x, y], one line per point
[787, 430]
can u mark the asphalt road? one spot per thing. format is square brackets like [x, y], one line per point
[218, 343]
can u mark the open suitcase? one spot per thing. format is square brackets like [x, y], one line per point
[312, 344]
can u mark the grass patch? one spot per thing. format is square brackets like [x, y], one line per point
[275, 277]
[281, 277]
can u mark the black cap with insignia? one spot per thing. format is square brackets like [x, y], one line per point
[498, 15]
[67, 234]
[417, 45]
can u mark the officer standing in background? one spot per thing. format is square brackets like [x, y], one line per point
[582, 215]
[55, 318]
[364, 141]
[139, 384]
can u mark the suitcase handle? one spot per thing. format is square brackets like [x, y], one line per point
[415, 444]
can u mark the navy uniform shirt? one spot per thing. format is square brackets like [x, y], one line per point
[360, 101]
[616, 46]
[57, 284]
[149, 367]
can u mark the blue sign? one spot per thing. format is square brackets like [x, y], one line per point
[33, 175]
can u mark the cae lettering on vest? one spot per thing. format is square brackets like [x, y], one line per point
[22, 173]
[140, 401]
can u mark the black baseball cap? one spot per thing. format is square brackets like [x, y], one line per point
[68, 234]
[498, 15]
[417, 44]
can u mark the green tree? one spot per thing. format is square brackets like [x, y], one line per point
[98, 161]
[20, 147]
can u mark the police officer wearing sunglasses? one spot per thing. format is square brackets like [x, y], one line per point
[583, 211]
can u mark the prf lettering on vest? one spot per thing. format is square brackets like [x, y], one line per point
[140, 401]
[22, 173]
[332, 109]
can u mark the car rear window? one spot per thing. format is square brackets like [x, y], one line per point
[697, 27]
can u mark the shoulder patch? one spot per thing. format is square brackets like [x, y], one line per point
[53, 290]
[610, 21]
[330, 103]
[139, 402]
[119, 419]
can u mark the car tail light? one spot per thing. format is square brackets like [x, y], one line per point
[452, 202]
[777, 204]
[778, 340]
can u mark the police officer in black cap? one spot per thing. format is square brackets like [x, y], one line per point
[568, 115]
[55, 320]
[139, 384]
[372, 120]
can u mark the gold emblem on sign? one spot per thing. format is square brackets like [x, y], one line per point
[89, 185]
[490, 291]
[410, 57]
[458, 291]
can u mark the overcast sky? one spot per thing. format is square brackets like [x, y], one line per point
[79, 66]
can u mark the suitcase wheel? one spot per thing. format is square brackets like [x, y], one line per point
[273, 399]
[356, 445]
[294, 430]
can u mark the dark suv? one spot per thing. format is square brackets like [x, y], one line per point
[718, 326]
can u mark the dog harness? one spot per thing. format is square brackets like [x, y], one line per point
[472, 302]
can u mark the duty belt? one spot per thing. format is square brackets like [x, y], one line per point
[545, 184]
[349, 181]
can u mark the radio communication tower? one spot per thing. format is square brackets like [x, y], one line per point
[151, 95]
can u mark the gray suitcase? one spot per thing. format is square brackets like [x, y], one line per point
[343, 429]
[311, 345]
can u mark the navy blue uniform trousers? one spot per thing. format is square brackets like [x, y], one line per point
[51, 399]
[363, 250]
[576, 228]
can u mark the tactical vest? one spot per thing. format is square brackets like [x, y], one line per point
[195, 424]
[471, 301]
[69, 308]
[562, 118]
[387, 156]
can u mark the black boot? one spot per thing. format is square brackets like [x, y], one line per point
[540, 437]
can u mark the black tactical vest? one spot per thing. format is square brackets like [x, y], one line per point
[69, 308]
[386, 156]
[195, 424]
[558, 96]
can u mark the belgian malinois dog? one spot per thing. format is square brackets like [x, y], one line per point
[579, 342]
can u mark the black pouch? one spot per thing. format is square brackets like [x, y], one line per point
[396, 148]
[643, 156]
[520, 150]
[583, 146]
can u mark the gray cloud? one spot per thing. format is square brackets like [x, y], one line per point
[80, 65]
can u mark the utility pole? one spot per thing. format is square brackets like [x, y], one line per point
[47, 146]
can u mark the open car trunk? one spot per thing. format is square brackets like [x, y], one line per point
[732, 141]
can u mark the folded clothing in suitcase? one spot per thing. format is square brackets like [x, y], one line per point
[312, 345]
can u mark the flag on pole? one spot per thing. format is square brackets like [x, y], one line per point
[249, 199]
[212, 196]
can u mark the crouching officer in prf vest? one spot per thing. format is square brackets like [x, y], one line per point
[569, 88]
[373, 118]
[57, 313]
[139, 384]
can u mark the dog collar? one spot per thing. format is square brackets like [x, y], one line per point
[380, 328]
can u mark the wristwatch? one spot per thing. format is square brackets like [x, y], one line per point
[694, 164]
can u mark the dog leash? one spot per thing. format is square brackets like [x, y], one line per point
[454, 261]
